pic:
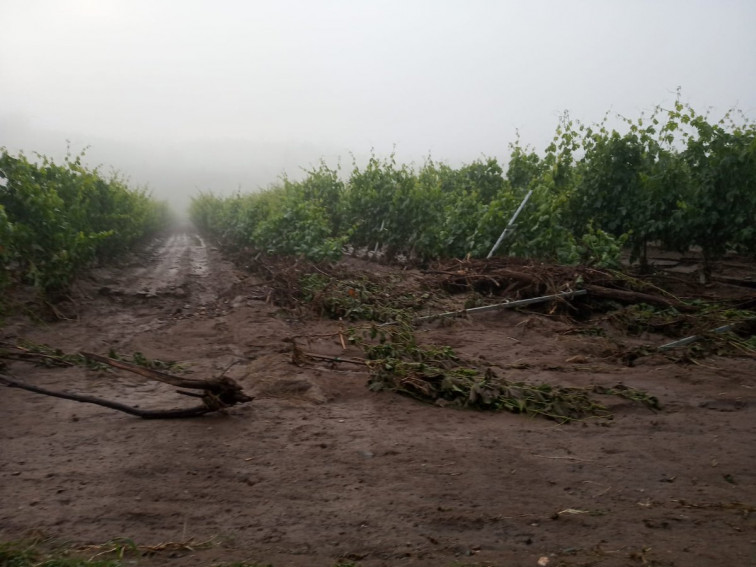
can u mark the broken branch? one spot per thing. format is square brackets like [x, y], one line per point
[145, 414]
[625, 296]
[150, 373]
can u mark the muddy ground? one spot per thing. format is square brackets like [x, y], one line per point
[319, 470]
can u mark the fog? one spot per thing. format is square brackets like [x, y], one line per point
[184, 96]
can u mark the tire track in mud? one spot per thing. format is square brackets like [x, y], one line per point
[173, 264]
[167, 302]
[177, 285]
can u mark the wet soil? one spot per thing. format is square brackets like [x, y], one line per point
[319, 470]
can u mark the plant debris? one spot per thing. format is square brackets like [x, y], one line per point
[435, 374]
[45, 355]
[218, 394]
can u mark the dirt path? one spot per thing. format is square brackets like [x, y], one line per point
[318, 469]
[171, 262]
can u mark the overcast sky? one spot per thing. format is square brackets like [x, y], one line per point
[187, 95]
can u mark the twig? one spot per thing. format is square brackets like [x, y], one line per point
[153, 374]
[563, 458]
[189, 545]
[25, 353]
[335, 358]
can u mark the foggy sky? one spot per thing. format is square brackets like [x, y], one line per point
[221, 95]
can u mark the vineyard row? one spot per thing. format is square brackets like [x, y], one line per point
[673, 177]
[57, 219]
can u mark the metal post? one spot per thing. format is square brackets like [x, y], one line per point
[509, 225]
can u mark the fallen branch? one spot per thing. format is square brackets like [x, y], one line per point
[217, 394]
[20, 353]
[467, 280]
[742, 282]
[625, 296]
[150, 373]
[146, 414]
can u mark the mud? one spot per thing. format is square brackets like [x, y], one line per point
[318, 469]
